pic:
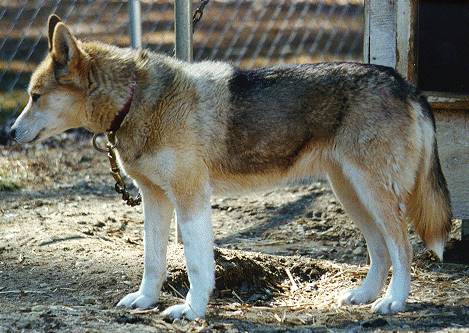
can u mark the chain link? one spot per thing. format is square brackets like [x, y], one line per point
[120, 186]
[198, 13]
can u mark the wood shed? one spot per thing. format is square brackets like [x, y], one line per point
[427, 41]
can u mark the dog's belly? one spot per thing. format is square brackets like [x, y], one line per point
[311, 163]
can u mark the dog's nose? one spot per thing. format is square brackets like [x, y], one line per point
[13, 133]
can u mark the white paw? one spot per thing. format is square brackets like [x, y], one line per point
[137, 301]
[179, 311]
[388, 305]
[355, 297]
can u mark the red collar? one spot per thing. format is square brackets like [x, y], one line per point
[120, 116]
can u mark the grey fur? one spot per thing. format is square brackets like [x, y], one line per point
[276, 112]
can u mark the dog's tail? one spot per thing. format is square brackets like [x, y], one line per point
[429, 205]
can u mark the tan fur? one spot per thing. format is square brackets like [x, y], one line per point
[428, 204]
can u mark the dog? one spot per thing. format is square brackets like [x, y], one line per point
[187, 130]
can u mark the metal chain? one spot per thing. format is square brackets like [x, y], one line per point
[120, 186]
[198, 13]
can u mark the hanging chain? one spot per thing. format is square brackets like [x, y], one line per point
[120, 186]
[198, 13]
[196, 17]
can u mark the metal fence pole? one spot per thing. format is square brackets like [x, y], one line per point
[135, 24]
[183, 34]
[183, 29]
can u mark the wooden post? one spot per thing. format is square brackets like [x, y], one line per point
[380, 29]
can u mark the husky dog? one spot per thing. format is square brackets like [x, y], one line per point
[188, 130]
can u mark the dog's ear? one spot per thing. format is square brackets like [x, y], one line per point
[65, 51]
[53, 20]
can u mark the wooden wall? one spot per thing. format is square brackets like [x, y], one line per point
[453, 147]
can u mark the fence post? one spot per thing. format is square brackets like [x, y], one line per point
[183, 29]
[135, 24]
[183, 34]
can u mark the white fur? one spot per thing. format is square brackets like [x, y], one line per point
[158, 212]
[425, 134]
[32, 121]
[197, 236]
[196, 232]
[374, 281]
[203, 72]
[399, 287]
[376, 277]
[438, 248]
[357, 180]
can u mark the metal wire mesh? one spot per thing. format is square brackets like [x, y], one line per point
[259, 33]
[246, 33]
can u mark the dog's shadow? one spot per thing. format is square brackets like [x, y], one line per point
[283, 215]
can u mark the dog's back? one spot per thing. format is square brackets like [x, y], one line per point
[270, 116]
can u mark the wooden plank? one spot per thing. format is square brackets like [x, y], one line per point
[405, 39]
[453, 147]
[382, 32]
[366, 33]
[449, 105]
[441, 100]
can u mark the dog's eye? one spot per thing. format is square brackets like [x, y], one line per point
[35, 97]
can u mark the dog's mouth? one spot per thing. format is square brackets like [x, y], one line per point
[37, 137]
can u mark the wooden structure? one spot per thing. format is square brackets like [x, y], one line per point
[426, 41]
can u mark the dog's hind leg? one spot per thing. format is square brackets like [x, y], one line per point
[383, 194]
[379, 257]
[158, 211]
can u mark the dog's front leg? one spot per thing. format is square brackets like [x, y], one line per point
[158, 211]
[194, 220]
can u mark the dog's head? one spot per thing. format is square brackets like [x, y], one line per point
[56, 90]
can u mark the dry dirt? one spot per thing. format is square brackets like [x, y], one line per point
[69, 250]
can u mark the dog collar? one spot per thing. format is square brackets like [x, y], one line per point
[120, 116]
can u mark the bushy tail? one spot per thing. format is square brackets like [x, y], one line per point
[429, 205]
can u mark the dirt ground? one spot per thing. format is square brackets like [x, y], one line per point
[69, 250]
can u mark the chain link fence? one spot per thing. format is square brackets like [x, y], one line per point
[245, 33]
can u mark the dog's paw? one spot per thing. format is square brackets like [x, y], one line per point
[388, 305]
[137, 301]
[180, 311]
[355, 297]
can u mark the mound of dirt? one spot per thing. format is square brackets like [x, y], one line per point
[242, 271]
